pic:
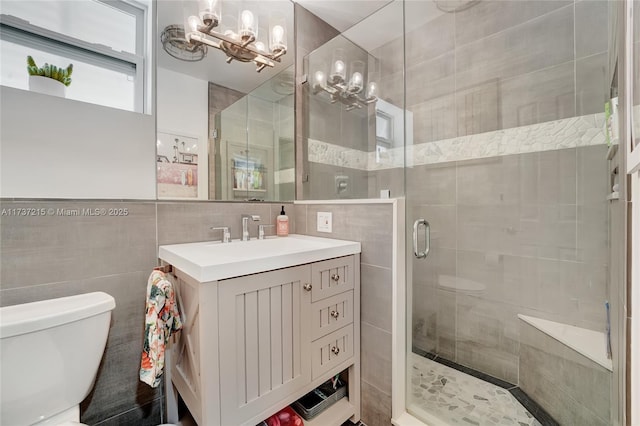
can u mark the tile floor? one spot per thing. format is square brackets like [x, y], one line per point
[459, 399]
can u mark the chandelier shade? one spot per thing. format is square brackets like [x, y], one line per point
[348, 91]
[207, 23]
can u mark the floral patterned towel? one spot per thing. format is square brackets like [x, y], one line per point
[162, 318]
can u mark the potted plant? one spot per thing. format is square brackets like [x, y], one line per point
[48, 79]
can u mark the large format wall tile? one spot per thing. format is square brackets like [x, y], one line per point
[591, 28]
[434, 119]
[430, 40]
[430, 79]
[60, 255]
[375, 357]
[184, 222]
[592, 88]
[68, 245]
[391, 179]
[486, 18]
[442, 223]
[488, 181]
[376, 296]
[432, 184]
[572, 388]
[487, 337]
[376, 406]
[540, 43]
[538, 96]
[369, 224]
[323, 182]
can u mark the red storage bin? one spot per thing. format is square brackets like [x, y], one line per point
[285, 417]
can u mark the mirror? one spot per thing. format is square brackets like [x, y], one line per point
[253, 140]
[224, 130]
[354, 116]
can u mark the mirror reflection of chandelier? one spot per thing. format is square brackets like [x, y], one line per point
[241, 44]
[348, 92]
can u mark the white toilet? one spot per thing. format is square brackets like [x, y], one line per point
[49, 356]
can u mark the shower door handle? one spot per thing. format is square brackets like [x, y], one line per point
[427, 238]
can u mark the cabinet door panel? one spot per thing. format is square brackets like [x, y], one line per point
[263, 337]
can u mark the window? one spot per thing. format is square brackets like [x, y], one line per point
[104, 39]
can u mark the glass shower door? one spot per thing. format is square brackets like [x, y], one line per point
[508, 165]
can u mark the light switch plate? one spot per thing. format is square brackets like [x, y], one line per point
[324, 222]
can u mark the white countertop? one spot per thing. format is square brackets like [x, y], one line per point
[212, 261]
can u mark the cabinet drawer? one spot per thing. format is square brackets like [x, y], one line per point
[331, 277]
[331, 350]
[331, 313]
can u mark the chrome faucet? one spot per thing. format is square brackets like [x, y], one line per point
[245, 224]
[261, 230]
[226, 234]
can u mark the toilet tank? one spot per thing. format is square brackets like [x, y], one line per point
[49, 355]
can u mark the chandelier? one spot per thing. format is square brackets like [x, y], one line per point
[348, 92]
[240, 45]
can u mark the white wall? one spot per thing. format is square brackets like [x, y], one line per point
[183, 109]
[59, 148]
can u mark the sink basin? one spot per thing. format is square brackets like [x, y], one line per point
[212, 261]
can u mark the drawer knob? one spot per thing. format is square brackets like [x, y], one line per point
[335, 314]
[335, 277]
[335, 350]
[307, 287]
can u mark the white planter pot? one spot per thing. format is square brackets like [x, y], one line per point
[47, 86]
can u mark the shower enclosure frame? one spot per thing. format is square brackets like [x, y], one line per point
[402, 307]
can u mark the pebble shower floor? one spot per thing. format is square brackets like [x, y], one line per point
[459, 399]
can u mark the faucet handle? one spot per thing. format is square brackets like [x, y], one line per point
[226, 233]
[261, 230]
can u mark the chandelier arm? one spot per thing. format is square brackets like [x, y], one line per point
[230, 40]
[204, 40]
[263, 60]
[277, 55]
[245, 44]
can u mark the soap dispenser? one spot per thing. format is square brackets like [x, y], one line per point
[282, 224]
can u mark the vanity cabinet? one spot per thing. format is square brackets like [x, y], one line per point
[254, 344]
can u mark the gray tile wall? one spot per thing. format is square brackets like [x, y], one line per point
[570, 387]
[372, 225]
[500, 64]
[59, 255]
[55, 256]
[528, 233]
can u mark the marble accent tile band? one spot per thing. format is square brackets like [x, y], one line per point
[571, 132]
